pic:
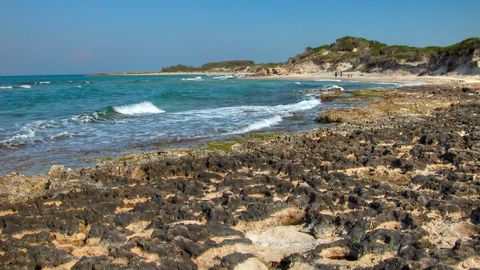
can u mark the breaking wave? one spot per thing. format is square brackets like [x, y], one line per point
[278, 112]
[22, 138]
[334, 87]
[223, 77]
[265, 123]
[193, 79]
[138, 108]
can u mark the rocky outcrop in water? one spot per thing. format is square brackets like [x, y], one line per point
[397, 189]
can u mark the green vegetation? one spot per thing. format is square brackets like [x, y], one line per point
[263, 135]
[360, 50]
[363, 54]
[224, 146]
[367, 93]
[213, 66]
[270, 65]
[333, 116]
[228, 64]
[178, 68]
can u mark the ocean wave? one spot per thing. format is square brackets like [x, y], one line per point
[22, 138]
[88, 118]
[193, 79]
[62, 135]
[334, 87]
[223, 77]
[43, 82]
[25, 86]
[262, 116]
[265, 123]
[281, 111]
[6, 87]
[239, 110]
[299, 106]
[138, 108]
[42, 124]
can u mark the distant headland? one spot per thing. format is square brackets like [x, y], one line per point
[352, 54]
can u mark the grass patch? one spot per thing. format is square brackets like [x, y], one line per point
[367, 93]
[263, 135]
[223, 146]
[339, 116]
[226, 145]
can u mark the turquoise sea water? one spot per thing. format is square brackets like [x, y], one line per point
[72, 120]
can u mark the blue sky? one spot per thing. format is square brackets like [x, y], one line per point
[86, 36]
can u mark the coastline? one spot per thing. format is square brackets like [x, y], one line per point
[327, 196]
[356, 76]
[167, 73]
[381, 77]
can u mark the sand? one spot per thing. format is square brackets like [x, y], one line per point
[380, 77]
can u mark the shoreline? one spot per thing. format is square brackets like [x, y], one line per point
[400, 168]
[356, 76]
[167, 73]
[380, 77]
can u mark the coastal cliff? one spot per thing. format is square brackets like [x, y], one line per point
[359, 54]
[355, 54]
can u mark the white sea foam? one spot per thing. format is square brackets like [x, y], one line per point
[412, 84]
[22, 138]
[86, 118]
[62, 135]
[6, 87]
[299, 106]
[25, 86]
[138, 108]
[390, 83]
[269, 115]
[328, 80]
[298, 83]
[334, 87]
[193, 79]
[262, 124]
[44, 82]
[223, 77]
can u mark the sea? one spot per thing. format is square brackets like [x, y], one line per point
[76, 120]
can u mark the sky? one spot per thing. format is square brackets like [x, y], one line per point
[89, 36]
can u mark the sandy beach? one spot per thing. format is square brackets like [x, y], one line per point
[381, 77]
[355, 76]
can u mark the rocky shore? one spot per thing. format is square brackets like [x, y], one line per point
[391, 185]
